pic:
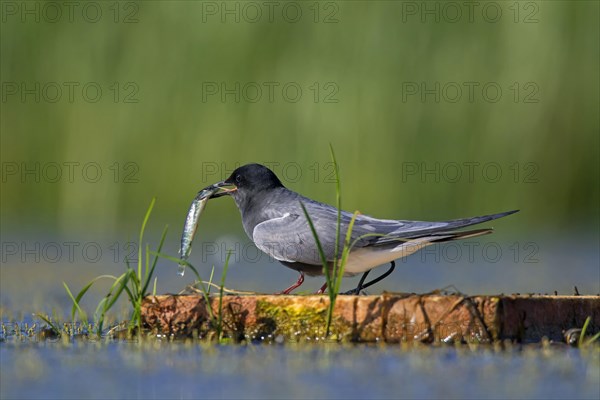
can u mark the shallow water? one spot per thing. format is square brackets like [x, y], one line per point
[190, 370]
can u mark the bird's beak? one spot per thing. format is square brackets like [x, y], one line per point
[224, 189]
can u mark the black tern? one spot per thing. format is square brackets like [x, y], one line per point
[273, 219]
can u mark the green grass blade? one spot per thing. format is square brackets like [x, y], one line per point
[135, 317]
[80, 295]
[99, 316]
[114, 297]
[154, 286]
[317, 240]
[105, 304]
[146, 271]
[345, 253]
[582, 342]
[136, 286]
[338, 197]
[151, 272]
[76, 304]
[144, 284]
[593, 339]
[210, 278]
[100, 307]
[325, 269]
[85, 289]
[140, 243]
[50, 323]
[583, 330]
[130, 295]
[223, 277]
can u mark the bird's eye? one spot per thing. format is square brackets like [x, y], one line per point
[238, 178]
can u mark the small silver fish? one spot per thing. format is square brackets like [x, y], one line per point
[191, 223]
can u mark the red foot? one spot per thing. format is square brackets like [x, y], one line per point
[323, 288]
[299, 282]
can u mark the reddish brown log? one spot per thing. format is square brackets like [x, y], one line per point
[389, 317]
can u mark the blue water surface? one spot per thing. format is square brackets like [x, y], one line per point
[158, 370]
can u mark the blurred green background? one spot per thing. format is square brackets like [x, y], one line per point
[171, 133]
[164, 124]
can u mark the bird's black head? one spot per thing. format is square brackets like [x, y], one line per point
[248, 181]
[253, 178]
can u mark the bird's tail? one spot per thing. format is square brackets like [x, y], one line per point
[464, 222]
[448, 236]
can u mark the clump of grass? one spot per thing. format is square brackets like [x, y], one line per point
[333, 276]
[133, 282]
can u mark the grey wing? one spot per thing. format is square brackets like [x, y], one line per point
[287, 238]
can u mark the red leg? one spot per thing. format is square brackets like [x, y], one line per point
[299, 282]
[323, 289]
